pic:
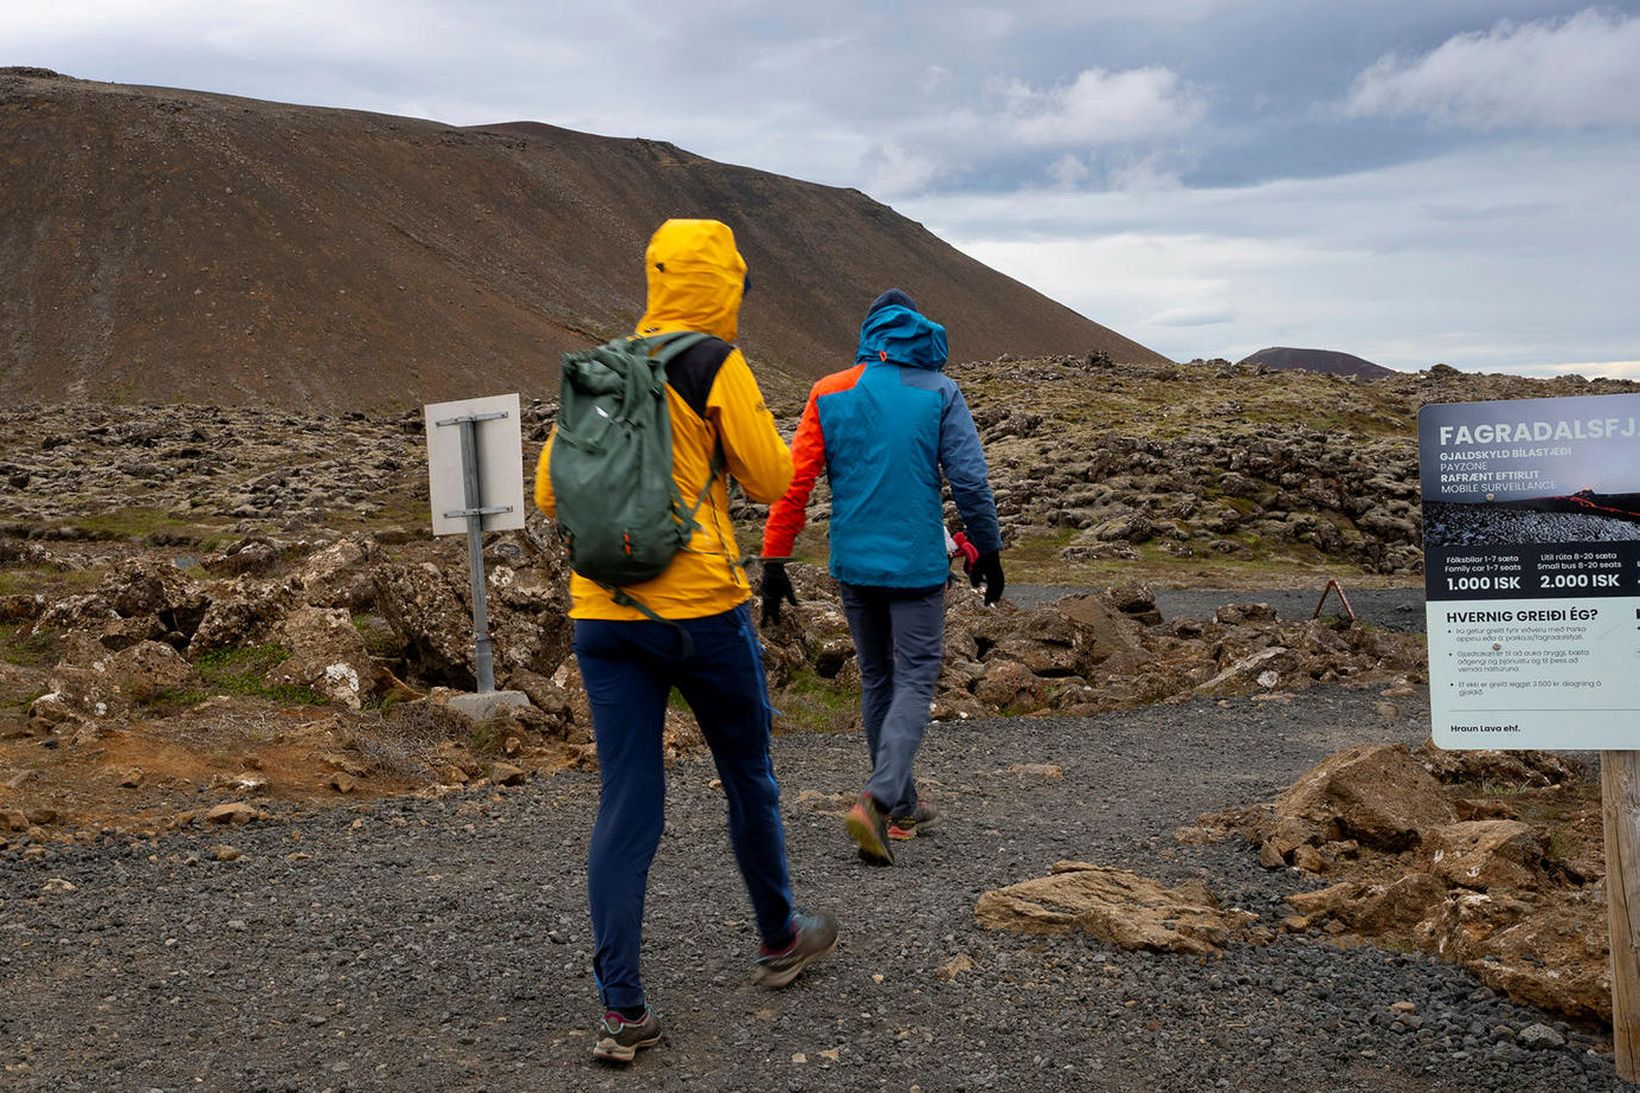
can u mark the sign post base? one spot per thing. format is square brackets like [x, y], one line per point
[485, 705]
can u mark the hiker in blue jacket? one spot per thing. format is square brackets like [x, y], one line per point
[883, 431]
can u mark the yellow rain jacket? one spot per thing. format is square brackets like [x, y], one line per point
[696, 278]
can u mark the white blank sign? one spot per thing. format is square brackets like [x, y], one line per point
[500, 445]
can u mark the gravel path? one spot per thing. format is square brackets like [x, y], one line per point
[443, 945]
[1389, 608]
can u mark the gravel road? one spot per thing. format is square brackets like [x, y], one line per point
[443, 944]
[1389, 608]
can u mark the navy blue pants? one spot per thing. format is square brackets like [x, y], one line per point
[899, 634]
[629, 669]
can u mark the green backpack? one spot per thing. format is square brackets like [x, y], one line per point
[619, 510]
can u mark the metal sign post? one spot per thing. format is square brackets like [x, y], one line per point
[475, 470]
[474, 513]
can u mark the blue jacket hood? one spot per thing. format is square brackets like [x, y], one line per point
[898, 335]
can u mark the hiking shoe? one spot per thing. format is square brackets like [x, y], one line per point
[921, 818]
[867, 825]
[619, 1038]
[816, 936]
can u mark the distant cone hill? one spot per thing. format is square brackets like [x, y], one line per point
[1331, 361]
[165, 245]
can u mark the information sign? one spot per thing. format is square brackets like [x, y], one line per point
[497, 439]
[1532, 571]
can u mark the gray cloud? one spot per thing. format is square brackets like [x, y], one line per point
[1371, 262]
[1556, 74]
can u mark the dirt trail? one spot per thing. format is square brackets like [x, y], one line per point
[443, 944]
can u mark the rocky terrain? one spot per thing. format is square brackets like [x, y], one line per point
[169, 569]
[216, 621]
[157, 565]
[1491, 859]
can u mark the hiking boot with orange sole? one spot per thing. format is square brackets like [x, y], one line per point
[867, 825]
[922, 818]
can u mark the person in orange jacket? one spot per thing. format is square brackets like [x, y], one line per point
[885, 433]
[630, 663]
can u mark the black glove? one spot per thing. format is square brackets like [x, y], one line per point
[988, 569]
[776, 586]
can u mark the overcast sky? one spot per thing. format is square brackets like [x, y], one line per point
[1407, 180]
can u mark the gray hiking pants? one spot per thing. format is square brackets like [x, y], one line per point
[899, 634]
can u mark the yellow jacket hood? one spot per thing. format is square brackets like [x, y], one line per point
[696, 279]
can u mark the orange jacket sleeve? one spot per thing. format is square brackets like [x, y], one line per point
[752, 446]
[786, 516]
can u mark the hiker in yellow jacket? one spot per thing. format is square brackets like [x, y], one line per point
[630, 663]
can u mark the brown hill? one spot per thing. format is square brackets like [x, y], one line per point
[161, 244]
[1330, 361]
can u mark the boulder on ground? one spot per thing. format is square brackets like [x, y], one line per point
[1106, 641]
[1009, 687]
[1137, 601]
[1115, 906]
[429, 609]
[429, 614]
[149, 668]
[255, 555]
[544, 695]
[1557, 961]
[92, 682]
[328, 655]
[242, 613]
[1374, 909]
[1517, 769]
[123, 633]
[1266, 668]
[21, 607]
[52, 710]
[339, 575]
[1376, 794]
[529, 612]
[1039, 656]
[233, 812]
[154, 587]
[1282, 837]
[1483, 854]
[71, 614]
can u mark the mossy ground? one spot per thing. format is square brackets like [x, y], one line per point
[139, 524]
[236, 672]
[810, 703]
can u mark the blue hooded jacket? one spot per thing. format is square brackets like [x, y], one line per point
[887, 438]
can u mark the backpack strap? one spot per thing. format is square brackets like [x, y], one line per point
[623, 598]
[666, 348]
[687, 524]
[662, 348]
